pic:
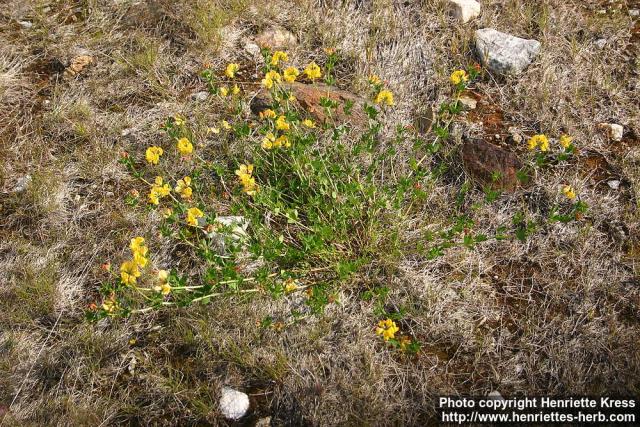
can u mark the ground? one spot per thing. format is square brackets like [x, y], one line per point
[556, 314]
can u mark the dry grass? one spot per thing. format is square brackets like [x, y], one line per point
[558, 314]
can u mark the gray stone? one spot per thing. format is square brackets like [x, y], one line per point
[233, 403]
[600, 43]
[613, 130]
[200, 96]
[503, 53]
[276, 38]
[468, 102]
[25, 24]
[614, 184]
[634, 12]
[22, 184]
[464, 10]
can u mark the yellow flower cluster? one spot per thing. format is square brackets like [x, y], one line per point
[387, 329]
[459, 76]
[231, 70]
[271, 78]
[384, 97]
[569, 192]
[282, 124]
[540, 141]
[290, 285]
[268, 114]
[308, 123]
[183, 187]
[130, 270]
[185, 147]
[291, 74]
[178, 120]
[245, 175]
[159, 189]
[277, 57]
[192, 216]
[270, 141]
[375, 80]
[163, 285]
[565, 141]
[312, 71]
[153, 154]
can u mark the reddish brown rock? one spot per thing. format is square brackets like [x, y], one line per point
[308, 98]
[485, 161]
[276, 38]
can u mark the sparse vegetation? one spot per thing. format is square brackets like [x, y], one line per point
[183, 210]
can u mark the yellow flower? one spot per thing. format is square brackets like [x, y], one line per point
[139, 259]
[384, 97]
[153, 154]
[110, 305]
[290, 285]
[225, 125]
[185, 146]
[267, 142]
[309, 123]
[154, 197]
[248, 182]
[281, 123]
[387, 329]
[231, 70]
[224, 91]
[213, 130]
[283, 141]
[160, 187]
[192, 216]
[268, 114]
[569, 192]
[270, 78]
[167, 212]
[290, 74]
[313, 71]
[374, 80]
[458, 77]
[279, 56]
[163, 286]
[235, 90]
[565, 140]
[178, 121]
[539, 141]
[183, 187]
[137, 245]
[404, 342]
[129, 272]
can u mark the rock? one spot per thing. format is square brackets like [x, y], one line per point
[233, 403]
[276, 38]
[600, 43]
[614, 131]
[308, 97]
[252, 49]
[200, 96]
[77, 64]
[233, 228]
[634, 12]
[263, 422]
[464, 10]
[515, 134]
[468, 102]
[491, 165]
[495, 395]
[25, 24]
[503, 53]
[22, 184]
[614, 184]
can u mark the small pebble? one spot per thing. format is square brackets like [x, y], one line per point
[233, 403]
[614, 184]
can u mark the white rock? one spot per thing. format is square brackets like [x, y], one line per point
[613, 130]
[495, 395]
[468, 102]
[634, 12]
[503, 53]
[252, 49]
[22, 184]
[200, 96]
[600, 43]
[27, 25]
[237, 226]
[276, 38]
[614, 184]
[464, 10]
[233, 403]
